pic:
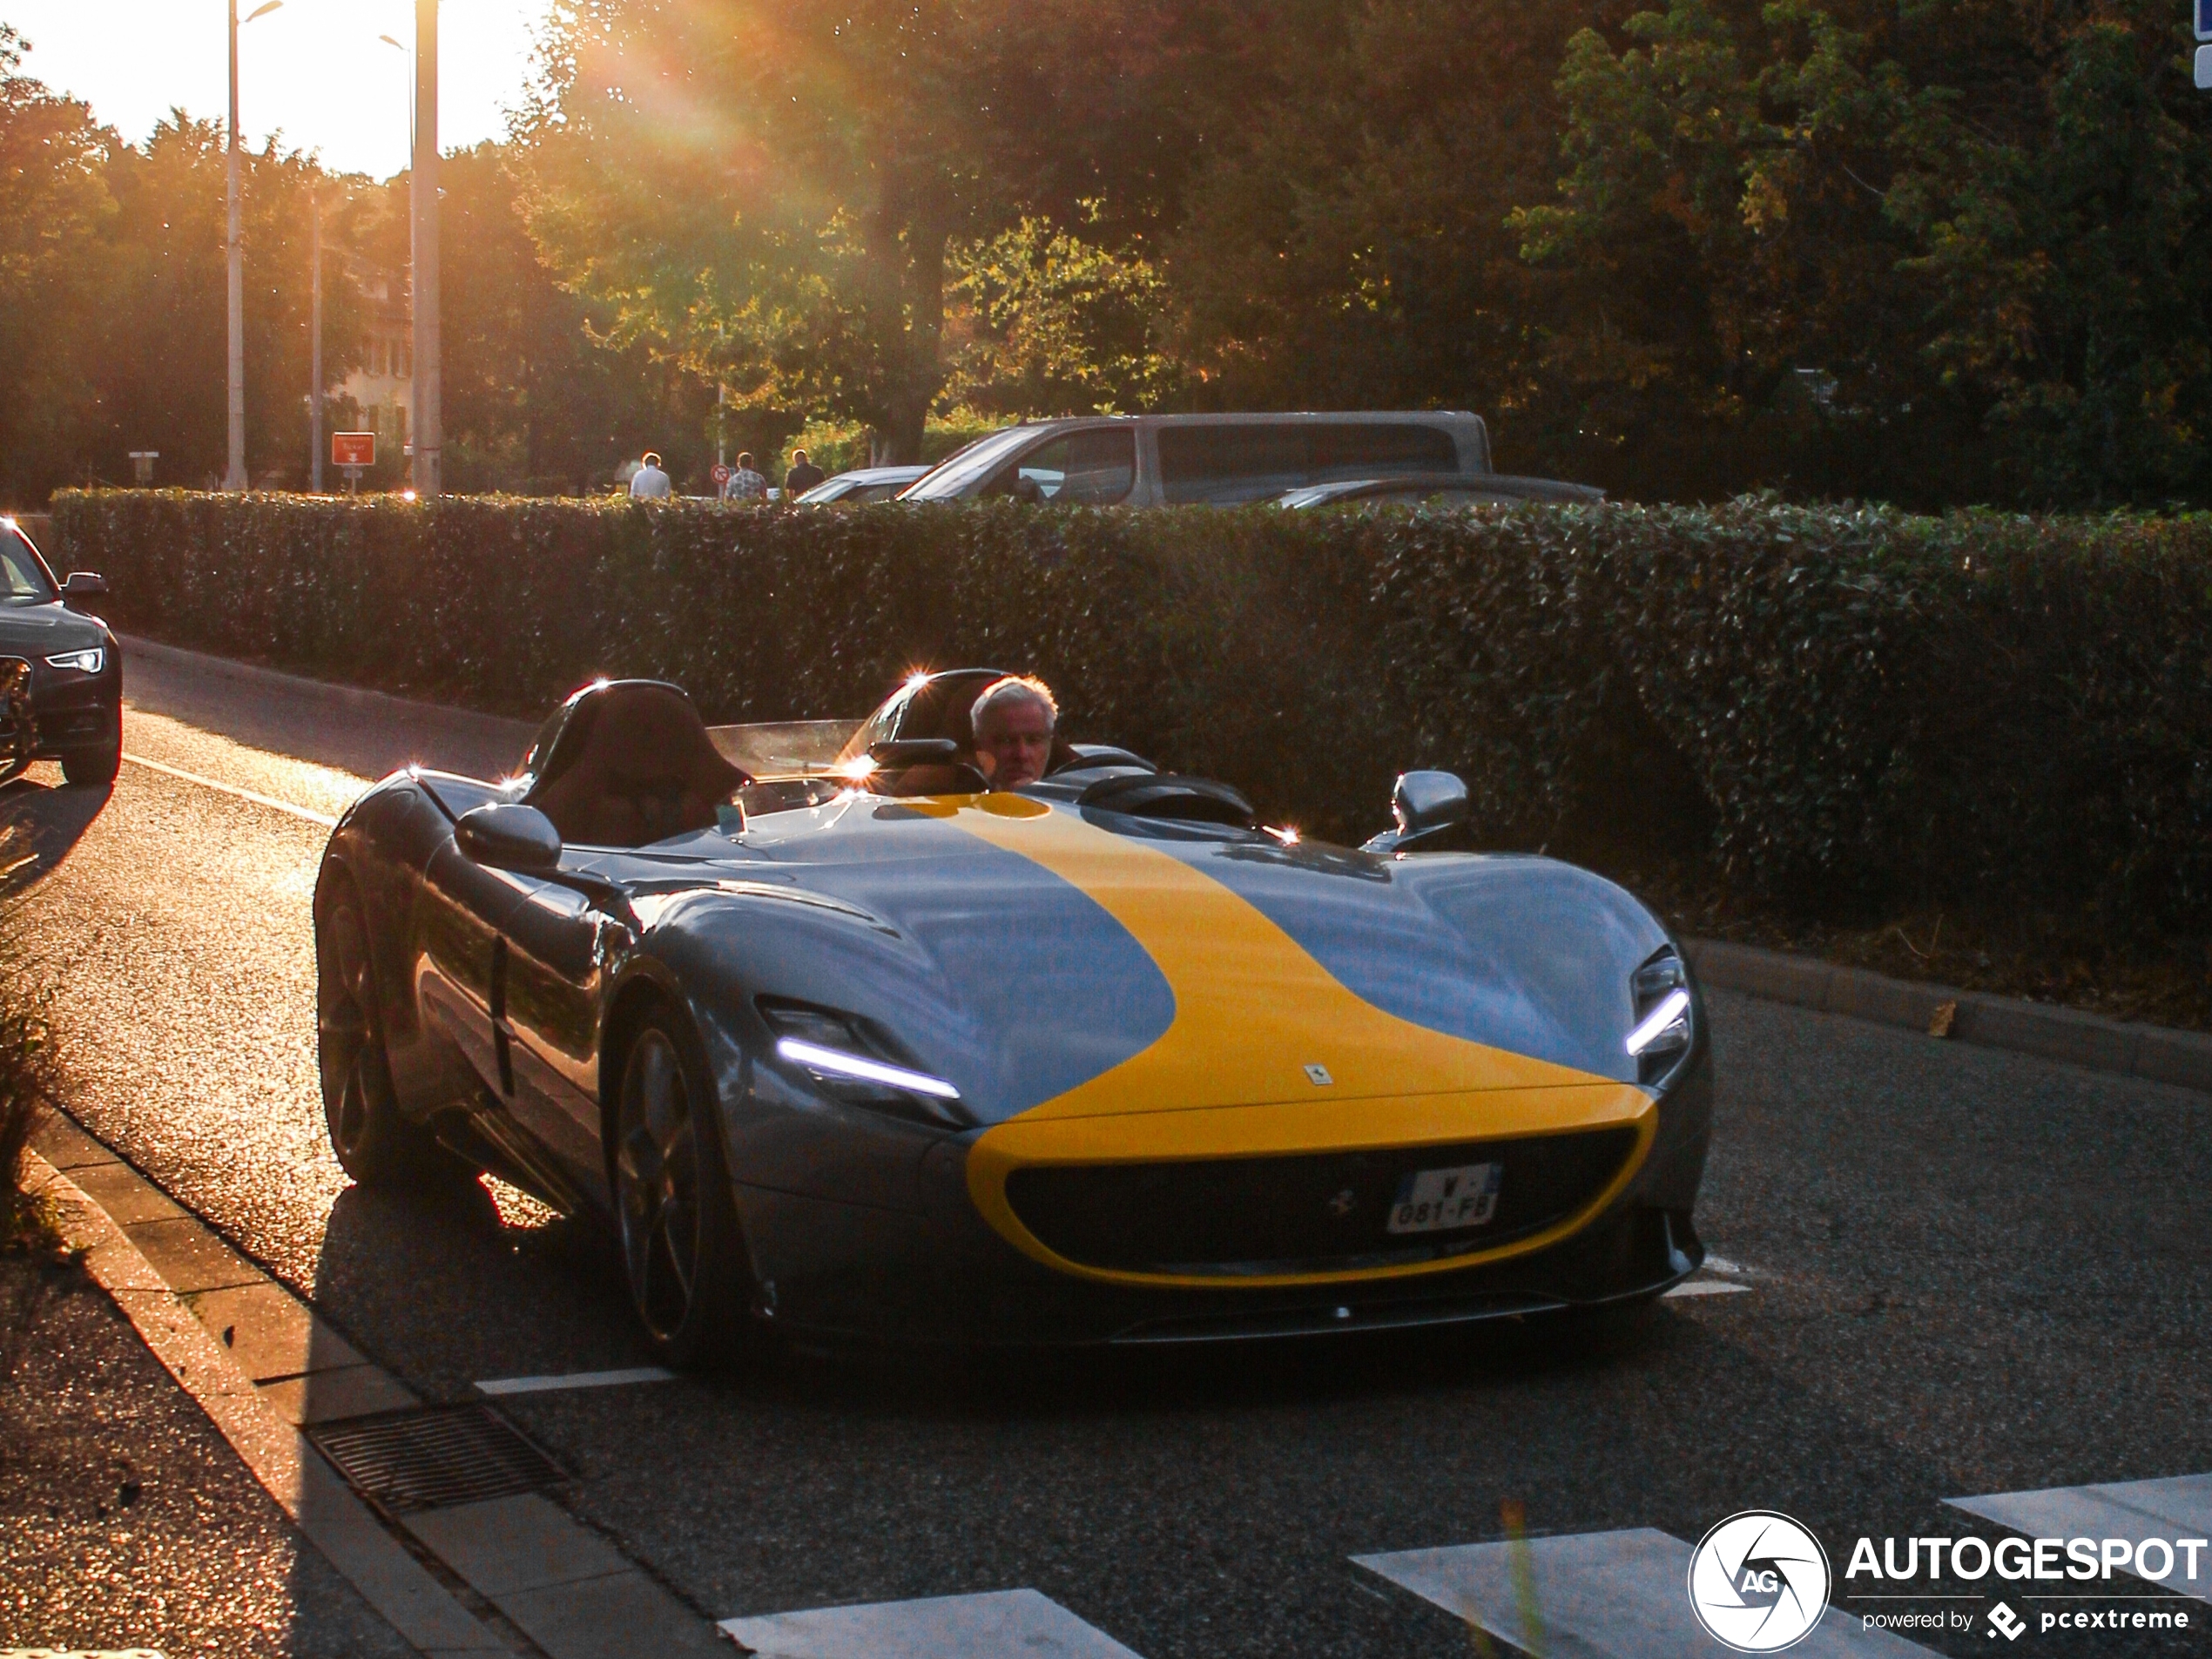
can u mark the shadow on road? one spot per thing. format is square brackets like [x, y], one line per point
[39, 823]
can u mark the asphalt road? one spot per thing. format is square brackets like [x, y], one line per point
[1971, 1272]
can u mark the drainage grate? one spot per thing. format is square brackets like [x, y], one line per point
[439, 1455]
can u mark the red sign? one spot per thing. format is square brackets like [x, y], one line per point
[353, 449]
[721, 474]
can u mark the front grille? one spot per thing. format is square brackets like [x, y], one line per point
[428, 1459]
[1306, 1213]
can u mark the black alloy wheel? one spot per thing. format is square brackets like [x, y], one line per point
[374, 1143]
[682, 1253]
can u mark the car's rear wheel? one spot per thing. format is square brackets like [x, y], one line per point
[684, 1254]
[376, 1143]
[96, 765]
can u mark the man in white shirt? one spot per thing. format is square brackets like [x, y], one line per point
[649, 482]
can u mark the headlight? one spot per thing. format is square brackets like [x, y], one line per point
[1661, 991]
[847, 1063]
[84, 662]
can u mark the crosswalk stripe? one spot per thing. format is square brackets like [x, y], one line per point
[1708, 1287]
[1597, 1595]
[1001, 1624]
[2172, 1509]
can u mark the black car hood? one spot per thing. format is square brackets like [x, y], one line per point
[39, 631]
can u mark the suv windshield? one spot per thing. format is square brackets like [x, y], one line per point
[24, 580]
[957, 472]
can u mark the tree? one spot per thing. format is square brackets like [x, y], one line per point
[536, 401]
[54, 204]
[161, 368]
[1979, 239]
[768, 193]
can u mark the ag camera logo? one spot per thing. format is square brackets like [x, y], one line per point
[1759, 1583]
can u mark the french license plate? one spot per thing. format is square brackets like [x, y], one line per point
[1430, 1201]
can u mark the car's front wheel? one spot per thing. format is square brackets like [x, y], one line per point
[683, 1250]
[94, 766]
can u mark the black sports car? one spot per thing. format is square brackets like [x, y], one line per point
[845, 1042]
[60, 676]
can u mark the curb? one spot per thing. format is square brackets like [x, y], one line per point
[281, 1458]
[2154, 1053]
[532, 1577]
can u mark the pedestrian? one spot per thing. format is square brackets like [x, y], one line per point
[649, 482]
[803, 476]
[746, 484]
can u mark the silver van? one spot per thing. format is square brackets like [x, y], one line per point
[1216, 460]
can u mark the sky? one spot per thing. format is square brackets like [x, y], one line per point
[314, 73]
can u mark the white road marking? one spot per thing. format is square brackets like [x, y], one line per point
[2132, 1509]
[575, 1379]
[1597, 1595]
[1721, 1264]
[1001, 1624]
[1708, 1287]
[270, 802]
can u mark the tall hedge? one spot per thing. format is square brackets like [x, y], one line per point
[1845, 709]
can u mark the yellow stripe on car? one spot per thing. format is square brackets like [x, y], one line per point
[1229, 1077]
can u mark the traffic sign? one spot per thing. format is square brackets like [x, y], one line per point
[2204, 68]
[353, 449]
[2204, 19]
[721, 474]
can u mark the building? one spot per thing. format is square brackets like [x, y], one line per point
[381, 387]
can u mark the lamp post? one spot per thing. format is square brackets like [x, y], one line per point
[422, 192]
[315, 347]
[234, 477]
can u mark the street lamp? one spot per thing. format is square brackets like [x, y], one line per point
[234, 478]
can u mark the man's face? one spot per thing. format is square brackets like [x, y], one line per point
[1017, 737]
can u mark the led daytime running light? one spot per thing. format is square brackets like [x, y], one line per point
[85, 662]
[840, 1063]
[1671, 1007]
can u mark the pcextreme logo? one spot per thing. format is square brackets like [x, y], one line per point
[1758, 1582]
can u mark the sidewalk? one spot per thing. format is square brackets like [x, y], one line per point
[125, 1520]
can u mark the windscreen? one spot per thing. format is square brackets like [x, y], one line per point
[971, 464]
[23, 574]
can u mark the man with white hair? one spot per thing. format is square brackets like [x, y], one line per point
[1014, 721]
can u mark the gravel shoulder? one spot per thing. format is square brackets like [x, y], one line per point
[126, 1521]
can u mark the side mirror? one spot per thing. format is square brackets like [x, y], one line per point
[84, 585]
[509, 836]
[1428, 805]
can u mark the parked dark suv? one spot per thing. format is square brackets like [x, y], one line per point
[60, 676]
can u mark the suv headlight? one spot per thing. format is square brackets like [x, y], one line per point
[83, 662]
[847, 1061]
[1661, 992]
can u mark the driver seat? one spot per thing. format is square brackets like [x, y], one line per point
[629, 764]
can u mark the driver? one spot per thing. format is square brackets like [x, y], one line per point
[1014, 721]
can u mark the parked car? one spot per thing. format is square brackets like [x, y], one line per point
[1217, 460]
[60, 676]
[862, 483]
[1442, 489]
